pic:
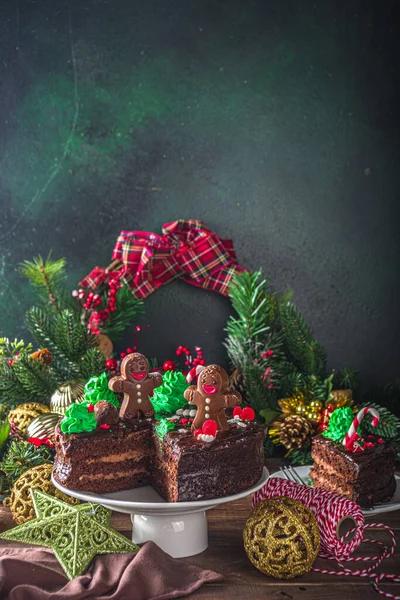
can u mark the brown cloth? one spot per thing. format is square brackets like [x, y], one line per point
[34, 574]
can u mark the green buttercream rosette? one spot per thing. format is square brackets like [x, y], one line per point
[168, 398]
[339, 423]
[78, 419]
[97, 389]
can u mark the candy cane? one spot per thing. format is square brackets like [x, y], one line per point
[194, 372]
[357, 420]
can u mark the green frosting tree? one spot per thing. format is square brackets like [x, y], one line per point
[168, 398]
[339, 424]
[97, 389]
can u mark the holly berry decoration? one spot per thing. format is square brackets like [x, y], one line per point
[189, 360]
[169, 365]
[112, 364]
[245, 414]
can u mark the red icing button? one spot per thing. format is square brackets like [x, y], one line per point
[210, 427]
[197, 432]
[90, 408]
[104, 426]
[237, 411]
[248, 414]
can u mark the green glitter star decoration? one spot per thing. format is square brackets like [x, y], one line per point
[75, 533]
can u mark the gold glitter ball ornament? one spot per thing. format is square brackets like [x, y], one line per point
[68, 393]
[281, 538]
[20, 502]
[25, 413]
[43, 426]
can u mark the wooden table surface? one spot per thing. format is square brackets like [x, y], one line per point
[226, 555]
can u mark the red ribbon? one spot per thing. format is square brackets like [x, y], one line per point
[187, 250]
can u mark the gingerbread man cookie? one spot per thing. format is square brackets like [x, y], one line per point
[212, 397]
[137, 384]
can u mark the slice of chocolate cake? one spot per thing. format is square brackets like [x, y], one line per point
[367, 477]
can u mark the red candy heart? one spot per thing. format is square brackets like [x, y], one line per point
[210, 427]
[237, 411]
[248, 414]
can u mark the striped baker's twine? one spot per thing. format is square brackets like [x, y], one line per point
[368, 572]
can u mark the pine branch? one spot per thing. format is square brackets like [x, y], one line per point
[308, 355]
[45, 275]
[9, 349]
[22, 456]
[37, 378]
[92, 363]
[127, 308]
[347, 378]
[70, 336]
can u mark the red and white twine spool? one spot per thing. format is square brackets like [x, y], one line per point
[357, 420]
[330, 511]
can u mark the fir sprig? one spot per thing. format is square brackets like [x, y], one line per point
[46, 277]
[308, 354]
[22, 456]
[8, 348]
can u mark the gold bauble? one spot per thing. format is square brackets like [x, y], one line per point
[25, 413]
[105, 345]
[68, 393]
[281, 538]
[312, 416]
[301, 410]
[43, 426]
[20, 502]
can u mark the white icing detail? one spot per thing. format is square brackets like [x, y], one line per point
[206, 438]
[139, 393]
[182, 430]
[208, 400]
[174, 418]
[230, 421]
[207, 416]
[179, 411]
[139, 400]
[241, 424]
[236, 417]
[138, 386]
[186, 412]
[192, 413]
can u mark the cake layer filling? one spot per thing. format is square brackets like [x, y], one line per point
[365, 498]
[380, 476]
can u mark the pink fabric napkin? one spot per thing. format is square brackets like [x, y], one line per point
[33, 573]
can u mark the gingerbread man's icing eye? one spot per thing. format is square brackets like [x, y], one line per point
[142, 368]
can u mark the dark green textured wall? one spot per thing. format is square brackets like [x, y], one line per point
[271, 121]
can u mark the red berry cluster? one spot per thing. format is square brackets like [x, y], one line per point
[190, 361]
[91, 301]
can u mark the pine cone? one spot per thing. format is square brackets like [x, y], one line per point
[236, 383]
[295, 431]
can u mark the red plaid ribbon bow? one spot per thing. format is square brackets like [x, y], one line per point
[187, 250]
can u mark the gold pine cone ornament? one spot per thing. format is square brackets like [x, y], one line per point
[281, 538]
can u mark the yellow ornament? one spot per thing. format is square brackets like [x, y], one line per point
[43, 426]
[316, 405]
[301, 410]
[281, 538]
[290, 406]
[20, 501]
[342, 398]
[25, 413]
[68, 393]
[312, 416]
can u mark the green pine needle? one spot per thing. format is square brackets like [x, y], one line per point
[22, 456]
[46, 276]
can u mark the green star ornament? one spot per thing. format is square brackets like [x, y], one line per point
[75, 533]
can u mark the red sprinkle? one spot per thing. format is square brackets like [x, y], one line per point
[104, 426]
[380, 441]
[90, 408]
[184, 421]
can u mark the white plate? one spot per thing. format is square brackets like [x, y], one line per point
[179, 528]
[393, 504]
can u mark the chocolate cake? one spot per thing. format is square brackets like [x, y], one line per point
[367, 477]
[193, 452]
[180, 467]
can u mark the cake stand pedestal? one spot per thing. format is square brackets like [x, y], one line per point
[179, 528]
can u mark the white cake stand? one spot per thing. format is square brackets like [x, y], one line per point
[179, 528]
